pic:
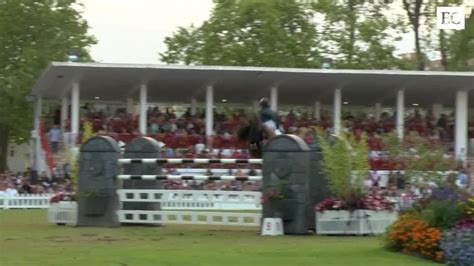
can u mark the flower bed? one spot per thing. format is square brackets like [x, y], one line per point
[439, 227]
[413, 236]
[458, 243]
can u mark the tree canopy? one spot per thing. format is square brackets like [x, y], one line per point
[248, 33]
[461, 47]
[32, 34]
[357, 33]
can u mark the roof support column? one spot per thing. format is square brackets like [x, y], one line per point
[193, 106]
[143, 109]
[437, 110]
[378, 111]
[274, 99]
[130, 106]
[36, 134]
[209, 110]
[400, 123]
[317, 110]
[337, 111]
[64, 113]
[460, 139]
[75, 123]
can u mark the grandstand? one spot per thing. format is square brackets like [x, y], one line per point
[75, 84]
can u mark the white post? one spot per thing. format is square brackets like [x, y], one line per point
[460, 140]
[36, 133]
[209, 110]
[75, 123]
[143, 109]
[337, 112]
[437, 110]
[130, 106]
[193, 106]
[64, 113]
[317, 110]
[378, 111]
[274, 99]
[400, 123]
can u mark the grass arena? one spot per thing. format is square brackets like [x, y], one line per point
[27, 239]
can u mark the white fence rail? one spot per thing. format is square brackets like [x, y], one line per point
[25, 201]
[182, 207]
[190, 217]
[195, 199]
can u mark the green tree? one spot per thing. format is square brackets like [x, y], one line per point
[460, 48]
[248, 33]
[32, 34]
[421, 17]
[357, 34]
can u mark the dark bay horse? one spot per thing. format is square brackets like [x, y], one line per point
[253, 134]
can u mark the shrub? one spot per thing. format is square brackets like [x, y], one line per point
[443, 213]
[470, 207]
[345, 164]
[414, 236]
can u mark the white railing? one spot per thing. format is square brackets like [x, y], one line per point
[182, 207]
[195, 199]
[25, 201]
[189, 217]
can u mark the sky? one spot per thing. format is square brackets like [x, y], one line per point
[133, 31]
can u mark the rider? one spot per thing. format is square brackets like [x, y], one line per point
[268, 118]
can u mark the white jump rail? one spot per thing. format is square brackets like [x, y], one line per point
[25, 201]
[163, 195]
[189, 217]
[190, 177]
[180, 206]
[184, 160]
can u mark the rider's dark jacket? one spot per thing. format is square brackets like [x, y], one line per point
[266, 113]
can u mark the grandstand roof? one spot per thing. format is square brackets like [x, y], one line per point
[179, 83]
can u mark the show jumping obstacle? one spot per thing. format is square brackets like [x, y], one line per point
[114, 190]
[205, 198]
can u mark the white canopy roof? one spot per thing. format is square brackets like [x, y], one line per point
[179, 83]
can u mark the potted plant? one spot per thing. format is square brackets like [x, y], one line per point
[281, 204]
[353, 209]
[62, 209]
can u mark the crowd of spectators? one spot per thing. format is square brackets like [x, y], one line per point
[187, 130]
[27, 183]
[184, 136]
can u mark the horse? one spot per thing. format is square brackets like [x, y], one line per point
[253, 134]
